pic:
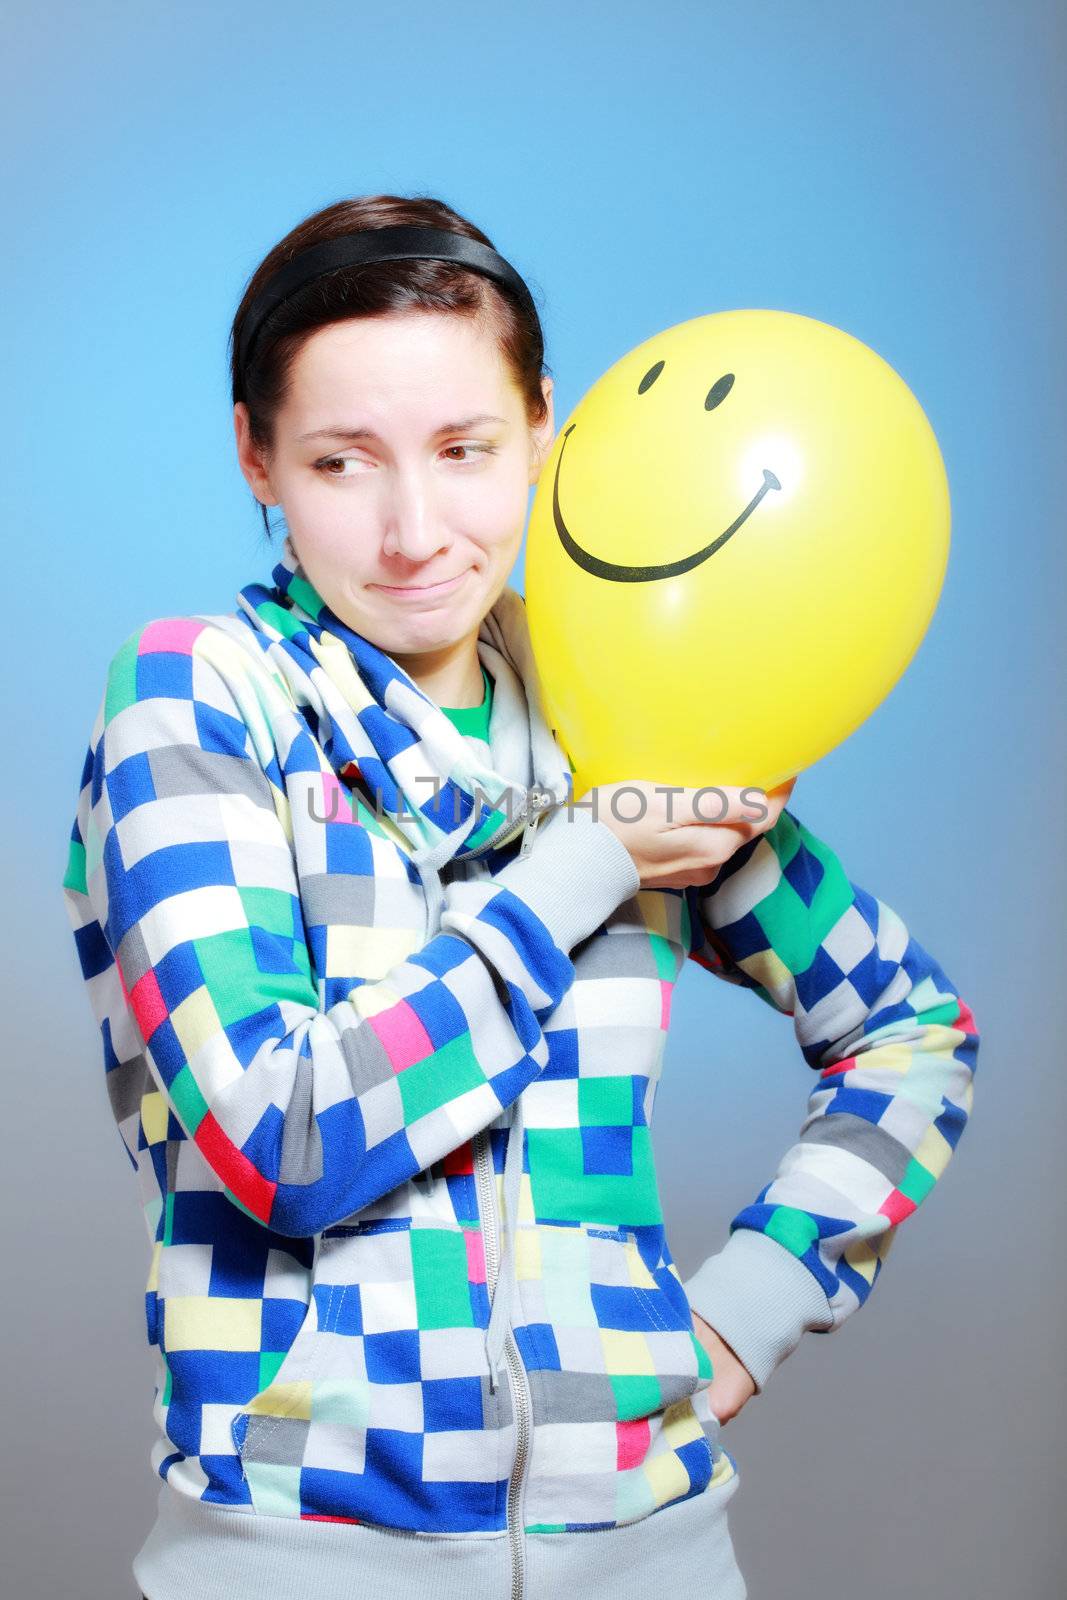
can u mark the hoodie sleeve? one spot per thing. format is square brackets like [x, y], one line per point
[895, 1050]
[182, 892]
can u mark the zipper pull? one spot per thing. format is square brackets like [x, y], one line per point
[540, 803]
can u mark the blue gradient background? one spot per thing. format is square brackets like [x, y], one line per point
[896, 171]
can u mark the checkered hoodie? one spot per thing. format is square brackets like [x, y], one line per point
[384, 1063]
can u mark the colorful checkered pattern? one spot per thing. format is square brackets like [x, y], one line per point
[894, 1046]
[297, 1077]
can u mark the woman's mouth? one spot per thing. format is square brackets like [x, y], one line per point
[421, 591]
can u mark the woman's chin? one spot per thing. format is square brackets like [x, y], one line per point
[422, 635]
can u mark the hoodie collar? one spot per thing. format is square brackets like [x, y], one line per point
[372, 720]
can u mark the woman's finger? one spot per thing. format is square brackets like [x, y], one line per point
[719, 803]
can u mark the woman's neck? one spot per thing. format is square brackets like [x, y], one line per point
[452, 679]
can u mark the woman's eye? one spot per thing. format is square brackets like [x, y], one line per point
[473, 449]
[327, 465]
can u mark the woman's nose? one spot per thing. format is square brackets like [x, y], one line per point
[413, 528]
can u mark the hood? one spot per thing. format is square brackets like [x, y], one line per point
[374, 722]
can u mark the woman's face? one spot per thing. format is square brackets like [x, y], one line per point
[402, 460]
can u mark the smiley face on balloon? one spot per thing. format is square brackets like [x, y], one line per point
[736, 546]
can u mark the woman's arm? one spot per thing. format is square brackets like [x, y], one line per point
[183, 895]
[896, 1052]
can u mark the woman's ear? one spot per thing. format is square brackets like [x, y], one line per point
[250, 459]
[543, 435]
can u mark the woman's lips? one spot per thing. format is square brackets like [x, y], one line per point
[424, 591]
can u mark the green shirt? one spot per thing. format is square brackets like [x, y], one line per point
[474, 720]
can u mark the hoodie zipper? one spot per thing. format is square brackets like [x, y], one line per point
[541, 803]
[520, 1389]
[538, 804]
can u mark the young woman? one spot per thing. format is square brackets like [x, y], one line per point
[383, 1010]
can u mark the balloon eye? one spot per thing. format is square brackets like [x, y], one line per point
[718, 391]
[650, 377]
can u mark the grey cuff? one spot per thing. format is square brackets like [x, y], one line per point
[577, 873]
[760, 1299]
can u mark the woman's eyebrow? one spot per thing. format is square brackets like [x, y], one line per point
[341, 432]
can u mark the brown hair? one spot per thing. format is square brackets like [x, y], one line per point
[375, 289]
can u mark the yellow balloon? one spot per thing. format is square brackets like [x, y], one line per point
[736, 546]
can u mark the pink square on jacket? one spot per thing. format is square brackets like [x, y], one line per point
[475, 1242]
[337, 800]
[175, 634]
[403, 1035]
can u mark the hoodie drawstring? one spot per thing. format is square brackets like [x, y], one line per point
[429, 861]
[506, 1290]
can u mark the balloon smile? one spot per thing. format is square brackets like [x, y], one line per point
[617, 573]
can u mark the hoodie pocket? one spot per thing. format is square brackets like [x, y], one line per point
[380, 1411]
[609, 1326]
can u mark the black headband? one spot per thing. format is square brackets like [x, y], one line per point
[374, 244]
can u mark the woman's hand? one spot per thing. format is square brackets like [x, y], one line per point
[671, 846]
[732, 1384]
